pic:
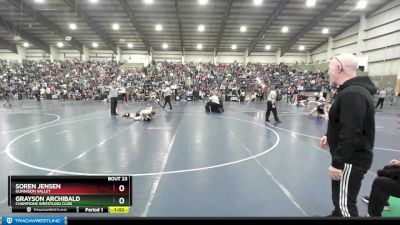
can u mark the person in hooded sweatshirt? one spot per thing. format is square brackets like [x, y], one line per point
[350, 134]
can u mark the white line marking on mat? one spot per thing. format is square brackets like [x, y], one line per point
[157, 181]
[310, 136]
[4, 200]
[89, 150]
[26, 128]
[12, 157]
[159, 128]
[61, 132]
[280, 185]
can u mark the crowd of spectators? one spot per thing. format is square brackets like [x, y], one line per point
[84, 80]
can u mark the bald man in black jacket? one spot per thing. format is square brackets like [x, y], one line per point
[351, 133]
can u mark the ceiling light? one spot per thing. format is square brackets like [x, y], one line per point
[130, 45]
[165, 46]
[285, 29]
[68, 38]
[203, 2]
[325, 31]
[17, 38]
[72, 26]
[158, 27]
[361, 4]
[301, 48]
[257, 2]
[199, 46]
[201, 28]
[39, 1]
[234, 47]
[25, 44]
[148, 2]
[243, 29]
[93, 1]
[115, 26]
[268, 47]
[311, 3]
[95, 45]
[60, 44]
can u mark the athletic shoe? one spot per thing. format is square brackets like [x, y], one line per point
[125, 115]
[267, 121]
[365, 199]
[278, 121]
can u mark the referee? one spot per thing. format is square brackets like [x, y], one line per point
[114, 99]
[271, 106]
[167, 96]
[351, 133]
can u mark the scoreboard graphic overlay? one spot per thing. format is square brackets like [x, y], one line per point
[74, 194]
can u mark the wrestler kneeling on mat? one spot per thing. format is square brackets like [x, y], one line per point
[214, 104]
[143, 115]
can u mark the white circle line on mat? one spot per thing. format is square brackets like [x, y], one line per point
[26, 128]
[8, 152]
[310, 136]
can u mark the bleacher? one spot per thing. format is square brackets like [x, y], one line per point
[128, 66]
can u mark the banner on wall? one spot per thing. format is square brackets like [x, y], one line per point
[142, 59]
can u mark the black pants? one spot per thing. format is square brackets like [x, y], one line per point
[124, 97]
[213, 107]
[382, 189]
[114, 102]
[269, 109]
[380, 102]
[37, 96]
[168, 100]
[345, 191]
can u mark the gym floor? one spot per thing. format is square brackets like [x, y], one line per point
[187, 163]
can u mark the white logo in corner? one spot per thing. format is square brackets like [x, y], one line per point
[28, 209]
[9, 220]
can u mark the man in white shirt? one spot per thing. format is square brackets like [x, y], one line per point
[382, 96]
[271, 106]
[114, 97]
[36, 92]
[123, 93]
[214, 104]
[167, 96]
[390, 94]
[42, 92]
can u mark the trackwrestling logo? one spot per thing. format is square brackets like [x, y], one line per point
[33, 220]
